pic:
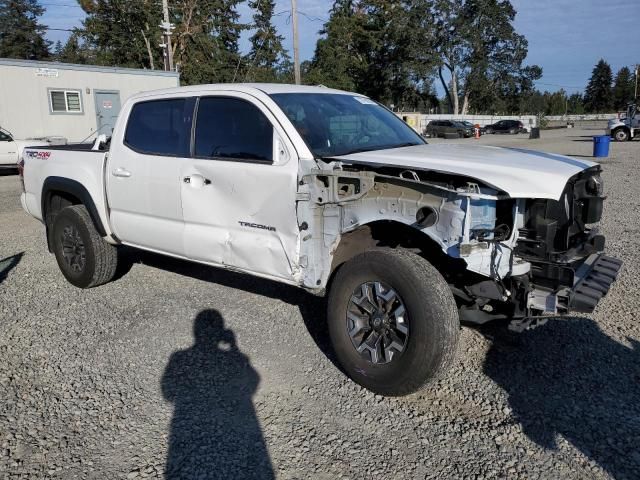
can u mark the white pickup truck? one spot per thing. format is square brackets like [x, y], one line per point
[330, 191]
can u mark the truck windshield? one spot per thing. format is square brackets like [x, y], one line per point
[338, 124]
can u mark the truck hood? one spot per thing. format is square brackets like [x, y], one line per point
[517, 172]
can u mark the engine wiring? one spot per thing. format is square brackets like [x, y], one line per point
[495, 237]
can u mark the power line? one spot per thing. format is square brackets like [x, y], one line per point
[312, 18]
[557, 85]
[62, 29]
[65, 5]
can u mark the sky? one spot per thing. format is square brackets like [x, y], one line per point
[566, 37]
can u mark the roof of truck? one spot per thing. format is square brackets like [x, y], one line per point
[268, 88]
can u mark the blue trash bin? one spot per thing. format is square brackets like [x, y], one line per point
[601, 145]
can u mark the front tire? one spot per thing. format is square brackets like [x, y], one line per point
[84, 258]
[393, 321]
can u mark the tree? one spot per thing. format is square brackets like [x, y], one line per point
[380, 48]
[267, 56]
[575, 104]
[339, 60]
[205, 41]
[598, 97]
[557, 103]
[193, 44]
[74, 51]
[21, 36]
[623, 89]
[227, 60]
[482, 55]
[533, 103]
[57, 49]
[122, 32]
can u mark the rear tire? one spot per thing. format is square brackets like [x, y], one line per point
[84, 258]
[414, 346]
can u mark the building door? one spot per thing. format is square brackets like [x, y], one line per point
[107, 110]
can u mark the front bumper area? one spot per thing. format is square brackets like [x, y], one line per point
[592, 280]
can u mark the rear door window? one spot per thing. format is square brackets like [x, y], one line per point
[161, 127]
[232, 129]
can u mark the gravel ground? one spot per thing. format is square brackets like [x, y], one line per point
[183, 371]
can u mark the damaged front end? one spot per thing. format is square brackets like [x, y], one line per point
[569, 271]
[503, 258]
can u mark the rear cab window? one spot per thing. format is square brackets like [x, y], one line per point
[161, 127]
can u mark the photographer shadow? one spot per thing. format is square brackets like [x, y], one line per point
[569, 379]
[215, 432]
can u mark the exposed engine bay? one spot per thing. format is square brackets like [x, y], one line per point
[503, 257]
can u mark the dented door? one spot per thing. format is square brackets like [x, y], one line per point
[238, 190]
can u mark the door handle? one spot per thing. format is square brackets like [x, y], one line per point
[196, 180]
[121, 172]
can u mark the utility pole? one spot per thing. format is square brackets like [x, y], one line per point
[166, 46]
[635, 96]
[296, 53]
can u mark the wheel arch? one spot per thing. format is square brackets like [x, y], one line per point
[73, 192]
[384, 234]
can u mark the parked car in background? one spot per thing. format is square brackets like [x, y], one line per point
[470, 125]
[505, 126]
[442, 128]
[11, 149]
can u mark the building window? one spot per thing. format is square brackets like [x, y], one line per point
[65, 101]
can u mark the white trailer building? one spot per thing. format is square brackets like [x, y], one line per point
[47, 99]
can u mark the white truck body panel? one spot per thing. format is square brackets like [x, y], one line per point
[153, 207]
[502, 168]
[85, 167]
[248, 216]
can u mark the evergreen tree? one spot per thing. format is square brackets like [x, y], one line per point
[205, 41]
[228, 62]
[194, 44]
[123, 32]
[576, 104]
[267, 55]
[623, 88]
[598, 97]
[339, 60]
[379, 48]
[21, 36]
[74, 51]
[57, 50]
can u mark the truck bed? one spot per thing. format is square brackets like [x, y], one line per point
[74, 147]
